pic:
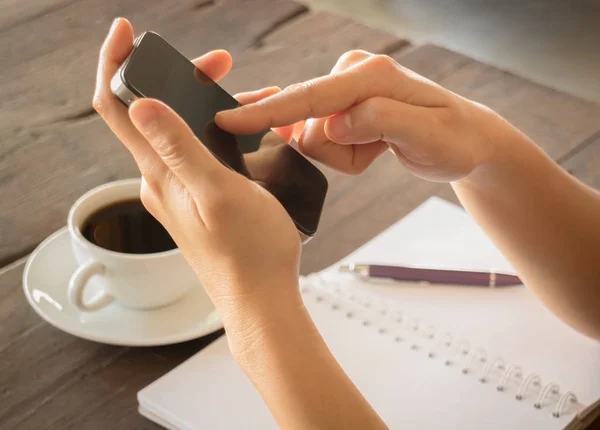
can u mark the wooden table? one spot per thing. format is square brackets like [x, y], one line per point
[53, 147]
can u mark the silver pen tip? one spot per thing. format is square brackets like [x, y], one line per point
[353, 268]
[344, 268]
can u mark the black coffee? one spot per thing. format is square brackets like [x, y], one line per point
[127, 227]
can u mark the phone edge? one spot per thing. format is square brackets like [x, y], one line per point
[118, 84]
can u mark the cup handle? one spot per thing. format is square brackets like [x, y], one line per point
[79, 280]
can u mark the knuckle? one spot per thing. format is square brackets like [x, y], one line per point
[169, 151]
[148, 169]
[383, 63]
[353, 56]
[293, 88]
[98, 104]
[303, 88]
[149, 199]
[306, 91]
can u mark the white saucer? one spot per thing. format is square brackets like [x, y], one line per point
[45, 281]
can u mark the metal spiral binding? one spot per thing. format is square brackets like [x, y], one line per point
[550, 388]
[445, 340]
[513, 369]
[560, 406]
[478, 354]
[498, 362]
[462, 347]
[531, 379]
[427, 333]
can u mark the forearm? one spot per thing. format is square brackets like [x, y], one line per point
[283, 354]
[545, 222]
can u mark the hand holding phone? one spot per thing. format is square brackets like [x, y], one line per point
[239, 238]
[154, 69]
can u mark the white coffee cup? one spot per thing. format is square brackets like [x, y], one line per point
[137, 281]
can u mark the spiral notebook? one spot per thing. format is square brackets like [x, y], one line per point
[424, 356]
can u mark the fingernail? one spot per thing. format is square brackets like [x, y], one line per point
[113, 26]
[144, 117]
[339, 126]
[228, 112]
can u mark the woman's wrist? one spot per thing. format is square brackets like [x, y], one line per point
[259, 333]
[503, 146]
[279, 348]
[251, 315]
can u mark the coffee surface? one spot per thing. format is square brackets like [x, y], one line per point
[127, 227]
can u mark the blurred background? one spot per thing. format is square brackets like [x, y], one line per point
[554, 42]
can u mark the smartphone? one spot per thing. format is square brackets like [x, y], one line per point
[155, 69]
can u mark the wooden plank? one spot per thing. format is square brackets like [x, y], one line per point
[51, 80]
[18, 12]
[16, 321]
[585, 164]
[52, 74]
[432, 62]
[33, 355]
[556, 121]
[305, 48]
[50, 378]
[44, 168]
[43, 172]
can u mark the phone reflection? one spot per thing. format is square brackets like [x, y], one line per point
[272, 163]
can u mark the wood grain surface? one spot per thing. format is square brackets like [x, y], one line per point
[53, 148]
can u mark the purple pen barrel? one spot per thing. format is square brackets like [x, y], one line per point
[435, 276]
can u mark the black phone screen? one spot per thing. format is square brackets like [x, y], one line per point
[157, 70]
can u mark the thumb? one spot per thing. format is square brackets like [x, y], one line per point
[176, 145]
[376, 119]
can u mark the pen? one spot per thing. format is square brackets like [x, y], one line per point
[434, 276]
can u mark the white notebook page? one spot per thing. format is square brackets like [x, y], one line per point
[509, 322]
[405, 386]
